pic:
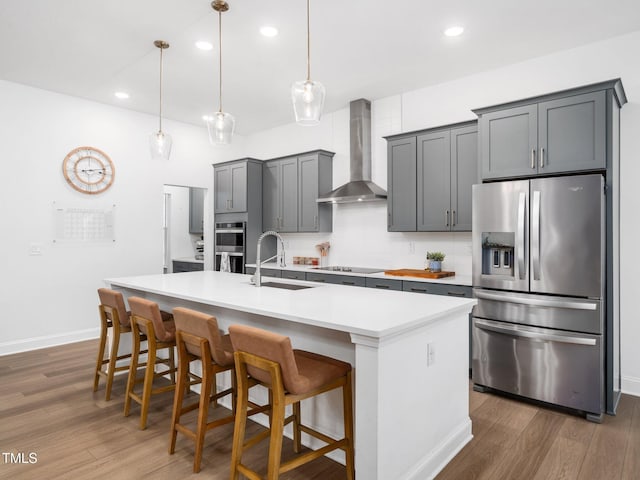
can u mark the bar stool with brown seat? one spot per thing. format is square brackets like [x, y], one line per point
[114, 315]
[147, 320]
[291, 376]
[198, 338]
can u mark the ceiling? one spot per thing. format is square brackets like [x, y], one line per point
[359, 48]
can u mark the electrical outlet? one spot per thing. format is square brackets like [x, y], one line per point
[431, 354]
[35, 249]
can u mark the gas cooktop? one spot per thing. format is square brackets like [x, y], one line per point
[350, 269]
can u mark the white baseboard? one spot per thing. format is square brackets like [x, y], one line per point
[36, 343]
[432, 463]
[631, 386]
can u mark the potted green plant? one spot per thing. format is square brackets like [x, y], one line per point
[435, 261]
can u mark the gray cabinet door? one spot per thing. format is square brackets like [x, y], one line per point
[238, 198]
[433, 182]
[572, 133]
[464, 174]
[230, 186]
[308, 193]
[270, 196]
[509, 140]
[289, 195]
[222, 188]
[401, 185]
[196, 210]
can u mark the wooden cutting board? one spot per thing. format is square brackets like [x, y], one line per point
[409, 272]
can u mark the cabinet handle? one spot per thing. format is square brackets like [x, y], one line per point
[321, 280]
[420, 290]
[315, 221]
[533, 158]
[231, 204]
[542, 158]
[382, 286]
[455, 294]
[453, 218]
[344, 282]
[446, 218]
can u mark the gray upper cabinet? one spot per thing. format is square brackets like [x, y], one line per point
[230, 187]
[430, 174]
[315, 177]
[290, 189]
[196, 210]
[401, 184]
[554, 134]
[280, 195]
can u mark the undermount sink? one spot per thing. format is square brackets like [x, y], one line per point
[286, 286]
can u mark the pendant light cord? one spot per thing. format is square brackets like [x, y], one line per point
[308, 43]
[220, 57]
[160, 115]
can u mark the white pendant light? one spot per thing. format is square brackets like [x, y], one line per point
[221, 124]
[160, 142]
[307, 95]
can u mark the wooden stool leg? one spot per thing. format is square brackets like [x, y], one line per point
[133, 368]
[178, 399]
[148, 381]
[112, 361]
[297, 445]
[172, 361]
[203, 411]
[275, 440]
[101, 347]
[347, 405]
[240, 423]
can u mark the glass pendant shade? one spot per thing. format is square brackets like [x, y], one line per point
[220, 126]
[308, 100]
[160, 144]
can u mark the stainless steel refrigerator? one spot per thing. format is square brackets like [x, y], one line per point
[539, 277]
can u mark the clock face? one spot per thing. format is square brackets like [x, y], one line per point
[88, 170]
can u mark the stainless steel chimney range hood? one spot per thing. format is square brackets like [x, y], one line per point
[360, 188]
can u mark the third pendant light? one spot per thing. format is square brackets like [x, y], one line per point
[307, 95]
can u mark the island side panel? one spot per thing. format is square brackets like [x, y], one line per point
[412, 417]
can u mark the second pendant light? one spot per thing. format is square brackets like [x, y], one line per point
[221, 124]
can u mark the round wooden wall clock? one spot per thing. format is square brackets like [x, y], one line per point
[88, 170]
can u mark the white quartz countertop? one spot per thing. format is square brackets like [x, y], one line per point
[464, 280]
[363, 311]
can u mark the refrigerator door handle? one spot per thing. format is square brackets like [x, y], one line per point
[535, 234]
[520, 234]
[536, 302]
[518, 331]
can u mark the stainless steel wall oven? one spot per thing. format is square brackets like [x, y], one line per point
[231, 240]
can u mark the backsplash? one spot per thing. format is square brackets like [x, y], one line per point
[360, 239]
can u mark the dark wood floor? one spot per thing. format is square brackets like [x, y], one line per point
[47, 407]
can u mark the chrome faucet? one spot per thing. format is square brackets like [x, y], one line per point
[256, 279]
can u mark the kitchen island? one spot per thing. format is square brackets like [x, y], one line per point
[409, 354]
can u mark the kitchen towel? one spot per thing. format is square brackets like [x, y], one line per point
[224, 262]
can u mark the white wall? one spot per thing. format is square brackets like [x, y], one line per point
[359, 236]
[52, 298]
[182, 244]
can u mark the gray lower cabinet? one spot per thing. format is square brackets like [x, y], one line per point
[336, 279]
[180, 266]
[293, 274]
[383, 283]
[430, 174]
[196, 210]
[437, 289]
[558, 133]
[264, 272]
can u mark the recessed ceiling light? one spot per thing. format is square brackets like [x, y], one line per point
[122, 95]
[207, 118]
[269, 31]
[454, 31]
[204, 45]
